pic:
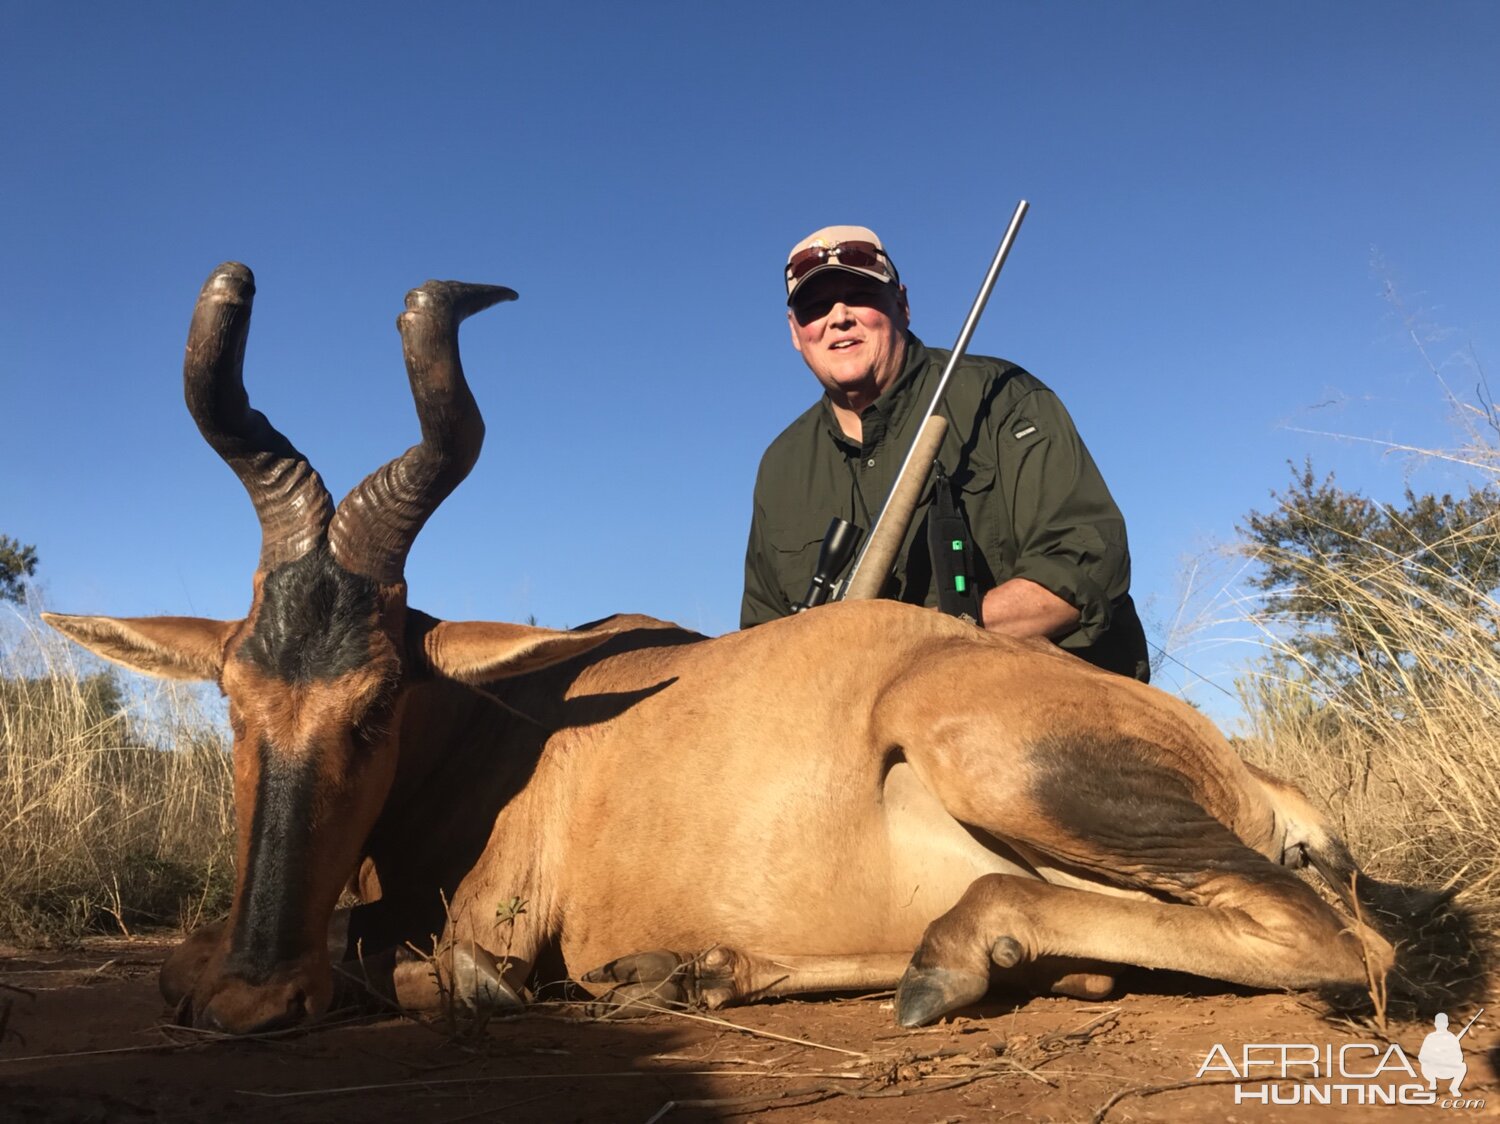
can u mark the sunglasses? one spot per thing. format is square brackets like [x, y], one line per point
[860, 255]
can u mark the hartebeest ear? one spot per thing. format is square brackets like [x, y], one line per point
[167, 647]
[480, 651]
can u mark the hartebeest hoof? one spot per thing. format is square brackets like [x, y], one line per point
[647, 980]
[477, 981]
[930, 989]
[925, 995]
[461, 976]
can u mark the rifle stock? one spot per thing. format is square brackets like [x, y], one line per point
[885, 542]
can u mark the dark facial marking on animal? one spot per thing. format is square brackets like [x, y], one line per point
[1109, 793]
[273, 907]
[314, 622]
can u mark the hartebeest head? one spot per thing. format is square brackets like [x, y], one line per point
[316, 672]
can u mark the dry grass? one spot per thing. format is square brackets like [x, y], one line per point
[1402, 744]
[1403, 747]
[114, 812]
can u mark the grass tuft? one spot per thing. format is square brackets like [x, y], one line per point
[1397, 739]
[115, 813]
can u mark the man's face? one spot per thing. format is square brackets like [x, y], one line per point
[851, 332]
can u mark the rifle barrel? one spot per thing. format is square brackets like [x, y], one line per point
[1470, 1023]
[881, 533]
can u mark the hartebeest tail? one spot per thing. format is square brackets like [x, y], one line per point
[1437, 960]
[1437, 957]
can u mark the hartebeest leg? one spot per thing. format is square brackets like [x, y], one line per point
[1270, 931]
[722, 976]
[477, 964]
[1150, 813]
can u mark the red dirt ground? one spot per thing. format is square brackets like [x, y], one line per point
[83, 1037]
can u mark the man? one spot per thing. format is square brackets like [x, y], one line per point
[1050, 554]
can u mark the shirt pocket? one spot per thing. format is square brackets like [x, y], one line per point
[989, 528]
[795, 541]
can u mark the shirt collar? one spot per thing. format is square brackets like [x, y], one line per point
[891, 409]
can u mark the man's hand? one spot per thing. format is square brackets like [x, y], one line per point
[1022, 608]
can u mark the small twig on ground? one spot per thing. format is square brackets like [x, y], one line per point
[360, 980]
[702, 1060]
[798, 1098]
[166, 1047]
[195, 1035]
[491, 1110]
[768, 1101]
[1031, 1073]
[495, 1079]
[411, 1065]
[941, 1028]
[1152, 1090]
[1364, 1026]
[1097, 1025]
[727, 1025]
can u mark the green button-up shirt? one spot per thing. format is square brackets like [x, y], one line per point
[1035, 502]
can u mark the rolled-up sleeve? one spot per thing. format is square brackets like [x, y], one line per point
[1069, 533]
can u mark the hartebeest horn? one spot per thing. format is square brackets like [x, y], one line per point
[293, 505]
[378, 521]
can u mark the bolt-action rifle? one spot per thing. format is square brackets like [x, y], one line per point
[1470, 1023]
[873, 565]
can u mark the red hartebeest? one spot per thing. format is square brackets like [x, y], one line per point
[793, 808]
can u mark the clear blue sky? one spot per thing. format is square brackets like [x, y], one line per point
[1214, 188]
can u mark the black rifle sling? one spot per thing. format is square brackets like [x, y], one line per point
[952, 550]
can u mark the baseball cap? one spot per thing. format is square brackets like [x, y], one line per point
[854, 249]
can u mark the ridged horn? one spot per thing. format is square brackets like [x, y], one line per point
[290, 500]
[376, 523]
